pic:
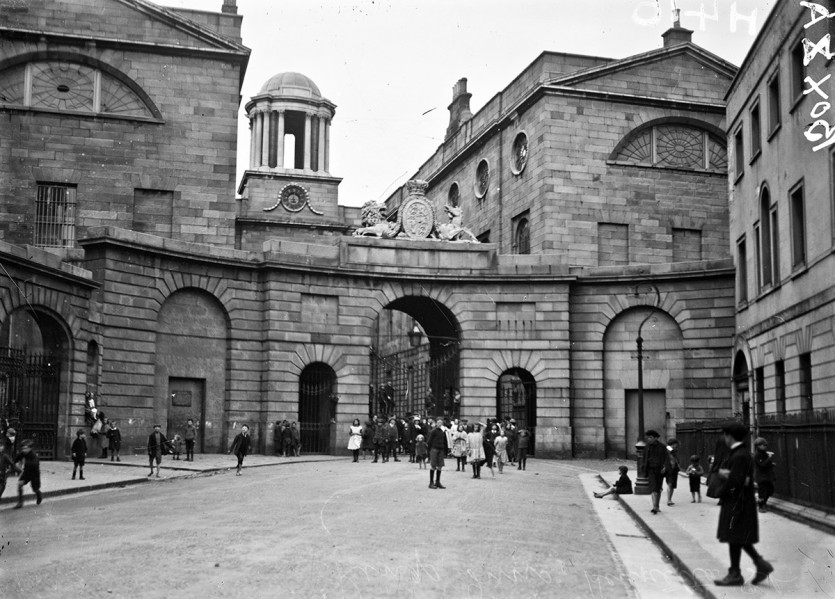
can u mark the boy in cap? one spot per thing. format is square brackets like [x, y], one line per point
[438, 448]
[79, 453]
[157, 447]
[655, 463]
[240, 447]
[31, 473]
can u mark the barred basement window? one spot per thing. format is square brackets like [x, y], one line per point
[55, 216]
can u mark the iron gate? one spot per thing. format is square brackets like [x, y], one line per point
[317, 406]
[516, 399]
[29, 394]
[418, 380]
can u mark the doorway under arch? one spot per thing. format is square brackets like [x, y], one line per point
[317, 404]
[516, 399]
[415, 360]
[34, 361]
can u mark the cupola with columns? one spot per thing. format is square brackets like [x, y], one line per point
[288, 185]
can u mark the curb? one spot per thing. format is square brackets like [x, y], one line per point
[682, 568]
[181, 473]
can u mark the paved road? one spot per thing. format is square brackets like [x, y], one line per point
[332, 529]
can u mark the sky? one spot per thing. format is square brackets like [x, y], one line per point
[389, 65]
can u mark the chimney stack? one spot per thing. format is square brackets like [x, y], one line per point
[677, 34]
[229, 7]
[459, 108]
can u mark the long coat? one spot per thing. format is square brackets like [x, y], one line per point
[738, 515]
[240, 446]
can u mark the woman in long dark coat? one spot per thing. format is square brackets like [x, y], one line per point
[738, 525]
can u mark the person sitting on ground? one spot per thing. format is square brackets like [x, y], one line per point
[623, 486]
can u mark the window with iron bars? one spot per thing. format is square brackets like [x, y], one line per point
[55, 216]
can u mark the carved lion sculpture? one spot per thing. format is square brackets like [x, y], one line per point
[374, 223]
[453, 231]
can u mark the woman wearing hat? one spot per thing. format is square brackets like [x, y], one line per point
[764, 472]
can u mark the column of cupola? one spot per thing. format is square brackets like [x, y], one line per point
[267, 137]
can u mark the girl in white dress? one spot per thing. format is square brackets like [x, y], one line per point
[355, 438]
[475, 450]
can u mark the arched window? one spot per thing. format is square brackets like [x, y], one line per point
[673, 145]
[522, 237]
[454, 195]
[769, 241]
[64, 85]
[519, 153]
[482, 178]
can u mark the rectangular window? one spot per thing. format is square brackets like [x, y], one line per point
[742, 271]
[798, 72]
[775, 246]
[153, 211]
[612, 244]
[774, 102]
[55, 216]
[798, 223]
[756, 137]
[739, 151]
[806, 381]
[759, 382]
[687, 245]
[780, 386]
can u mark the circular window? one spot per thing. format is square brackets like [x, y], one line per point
[454, 195]
[519, 153]
[482, 178]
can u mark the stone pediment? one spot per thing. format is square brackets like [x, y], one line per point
[118, 21]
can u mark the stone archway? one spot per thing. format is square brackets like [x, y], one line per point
[663, 377]
[415, 359]
[516, 399]
[191, 367]
[34, 372]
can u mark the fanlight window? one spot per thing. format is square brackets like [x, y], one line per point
[68, 86]
[675, 145]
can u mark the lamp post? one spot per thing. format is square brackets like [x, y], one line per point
[641, 482]
[414, 336]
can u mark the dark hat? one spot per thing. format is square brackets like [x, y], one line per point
[737, 430]
[652, 433]
[79, 432]
[26, 443]
[760, 441]
[10, 431]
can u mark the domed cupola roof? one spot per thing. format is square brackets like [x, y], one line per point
[290, 84]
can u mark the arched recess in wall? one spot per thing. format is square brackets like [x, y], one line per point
[35, 366]
[516, 399]
[663, 377]
[191, 371]
[741, 386]
[318, 395]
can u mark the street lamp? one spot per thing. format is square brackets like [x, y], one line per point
[641, 481]
[414, 336]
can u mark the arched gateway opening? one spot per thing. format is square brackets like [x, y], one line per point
[516, 399]
[317, 391]
[414, 360]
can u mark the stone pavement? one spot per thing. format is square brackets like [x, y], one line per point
[56, 477]
[803, 557]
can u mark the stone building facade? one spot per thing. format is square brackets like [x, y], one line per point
[782, 182]
[151, 289]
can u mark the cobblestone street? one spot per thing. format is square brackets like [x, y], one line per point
[332, 529]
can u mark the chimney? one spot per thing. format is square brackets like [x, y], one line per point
[229, 7]
[677, 34]
[459, 108]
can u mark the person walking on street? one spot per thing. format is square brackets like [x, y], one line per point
[764, 472]
[8, 450]
[673, 468]
[438, 448]
[240, 447]
[523, 439]
[157, 447]
[738, 525]
[31, 473]
[655, 464]
[114, 441]
[79, 453]
[190, 436]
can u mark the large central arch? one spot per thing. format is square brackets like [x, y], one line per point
[415, 359]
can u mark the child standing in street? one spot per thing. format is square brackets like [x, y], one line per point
[523, 439]
[176, 446]
[79, 453]
[114, 440]
[763, 472]
[421, 451]
[694, 474]
[31, 473]
[500, 443]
